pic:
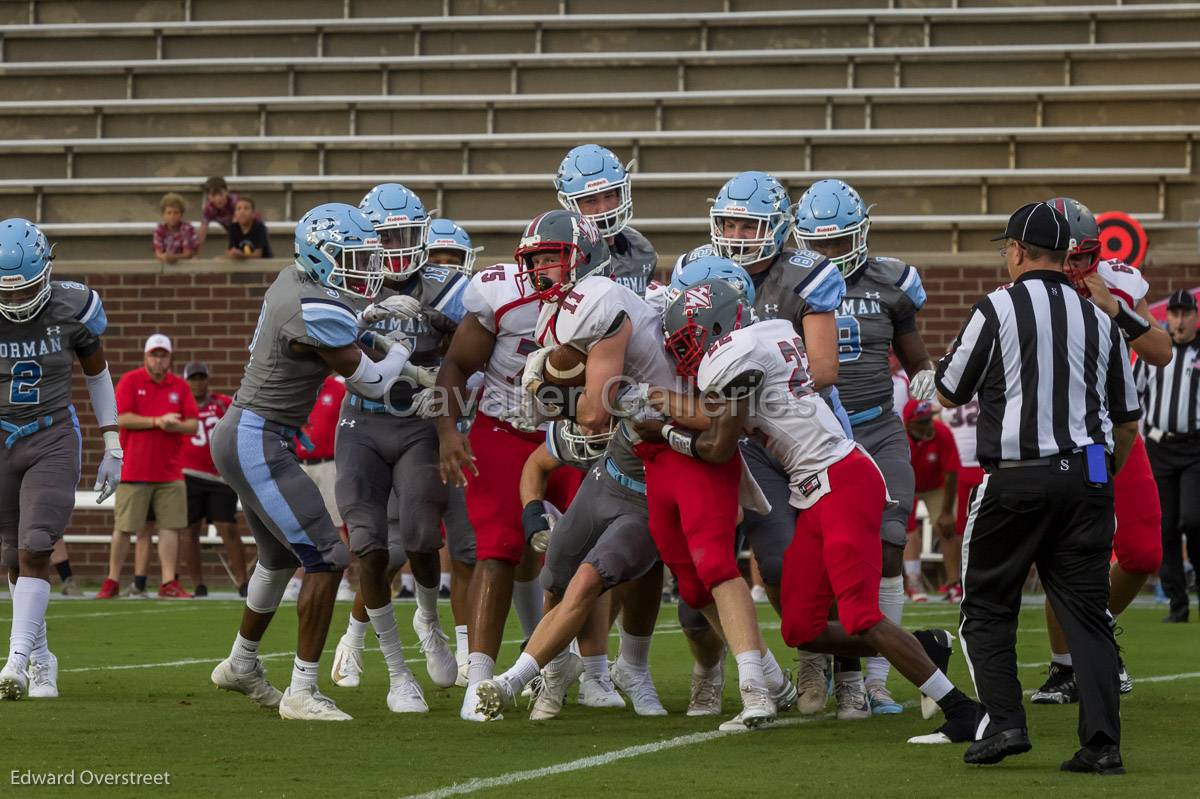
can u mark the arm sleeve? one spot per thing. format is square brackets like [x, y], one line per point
[327, 323]
[1122, 397]
[961, 371]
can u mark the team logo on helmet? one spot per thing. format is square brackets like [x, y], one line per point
[697, 297]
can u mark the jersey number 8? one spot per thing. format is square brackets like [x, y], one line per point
[849, 339]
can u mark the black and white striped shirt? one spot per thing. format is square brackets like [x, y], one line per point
[1170, 393]
[1050, 368]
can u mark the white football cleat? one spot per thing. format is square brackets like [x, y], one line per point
[439, 660]
[292, 592]
[470, 710]
[491, 697]
[705, 698]
[43, 678]
[852, 702]
[345, 592]
[406, 696]
[786, 695]
[309, 705]
[814, 682]
[599, 691]
[252, 683]
[461, 680]
[347, 664]
[758, 710]
[14, 683]
[555, 682]
[639, 687]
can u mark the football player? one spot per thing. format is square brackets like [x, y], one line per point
[878, 313]
[308, 327]
[753, 378]
[593, 183]
[692, 506]
[387, 448]
[1120, 291]
[45, 327]
[495, 337]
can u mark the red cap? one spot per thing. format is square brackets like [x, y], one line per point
[917, 409]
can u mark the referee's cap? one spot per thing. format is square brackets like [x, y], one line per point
[1182, 299]
[1038, 224]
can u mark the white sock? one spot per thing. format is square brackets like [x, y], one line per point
[573, 648]
[304, 675]
[444, 583]
[461, 647]
[528, 599]
[937, 686]
[891, 604]
[407, 581]
[1062, 660]
[383, 620]
[595, 666]
[703, 672]
[480, 667]
[635, 650]
[521, 673]
[41, 646]
[356, 631]
[244, 654]
[750, 668]
[427, 599]
[12, 589]
[771, 671]
[912, 569]
[30, 596]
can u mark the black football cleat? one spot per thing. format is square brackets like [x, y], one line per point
[995, 748]
[1059, 688]
[1104, 760]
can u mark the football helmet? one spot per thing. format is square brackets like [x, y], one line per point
[699, 316]
[831, 209]
[1085, 240]
[581, 446]
[591, 169]
[712, 267]
[756, 196]
[25, 263]
[400, 219]
[337, 247]
[577, 242]
[445, 235]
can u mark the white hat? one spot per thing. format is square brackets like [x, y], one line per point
[158, 342]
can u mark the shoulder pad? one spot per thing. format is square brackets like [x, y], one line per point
[442, 291]
[909, 282]
[730, 364]
[1124, 281]
[489, 290]
[590, 312]
[328, 322]
[77, 302]
[816, 280]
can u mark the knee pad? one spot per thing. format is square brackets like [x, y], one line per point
[265, 591]
[691, 620]
[339, 558]
[397, 557]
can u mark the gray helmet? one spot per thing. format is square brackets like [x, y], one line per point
[575, 238]
[1085, 240]
[700, 315]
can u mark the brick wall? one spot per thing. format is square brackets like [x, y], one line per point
[209, 311]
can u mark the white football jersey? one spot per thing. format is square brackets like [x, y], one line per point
[594, 310]
[800, 429]
[1123, 281]
[497, 298]
[962, 422]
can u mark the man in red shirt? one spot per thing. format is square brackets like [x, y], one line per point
[935, 466]
[210, 500]
[155, 411]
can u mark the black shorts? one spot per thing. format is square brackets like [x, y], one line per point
[208, 499]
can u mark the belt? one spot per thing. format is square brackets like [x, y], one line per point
[17, 432]
[615, 473]
[371, 406]
[866, 415]
[1041, 462]
[1161, 436]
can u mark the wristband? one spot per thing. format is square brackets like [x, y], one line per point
[533, 518]
[112, 439]
[1130, 321]
[682, 441]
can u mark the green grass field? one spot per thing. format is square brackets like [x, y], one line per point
[136, 697]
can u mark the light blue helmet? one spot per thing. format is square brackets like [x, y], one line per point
[400, 219]
[444, 234]
[25, 261]
[755, 196]
[591, 169]
[712, 267]
[337, 247]
[831, 209]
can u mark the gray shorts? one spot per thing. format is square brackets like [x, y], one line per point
[607, 526]
[38, 476]
[884, 438]
[378, 455]
[282, 505]
[459, 535]
[771, 534]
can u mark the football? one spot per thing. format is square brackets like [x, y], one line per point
[566, 366]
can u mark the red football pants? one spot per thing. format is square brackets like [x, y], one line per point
[1138, 542]
[968, 478]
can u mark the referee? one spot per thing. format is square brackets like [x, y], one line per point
[1057, 411]
[1170, 397]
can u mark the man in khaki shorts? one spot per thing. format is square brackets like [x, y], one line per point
[155, 413]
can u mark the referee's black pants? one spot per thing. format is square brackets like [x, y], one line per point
[1048, 516]
[1176, 467]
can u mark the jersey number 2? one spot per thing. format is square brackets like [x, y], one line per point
[25, 377]
[791, 351]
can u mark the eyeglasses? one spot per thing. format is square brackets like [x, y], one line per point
[1004, 247]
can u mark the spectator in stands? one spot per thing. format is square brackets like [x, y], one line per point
[155, 411]
[174, 239]
[218, 206]
[248, 236]
[935, 467]
[209, 499]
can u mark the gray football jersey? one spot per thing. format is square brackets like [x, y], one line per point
[633, 260]
[881, 302]
[620, 449]
[440, 292]
[37, 356]
[281, 384]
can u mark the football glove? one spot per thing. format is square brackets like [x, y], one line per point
[538, 525]
[634, 404]
[921, 386]
[108, 476]
[532, 378]
[398, 306]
